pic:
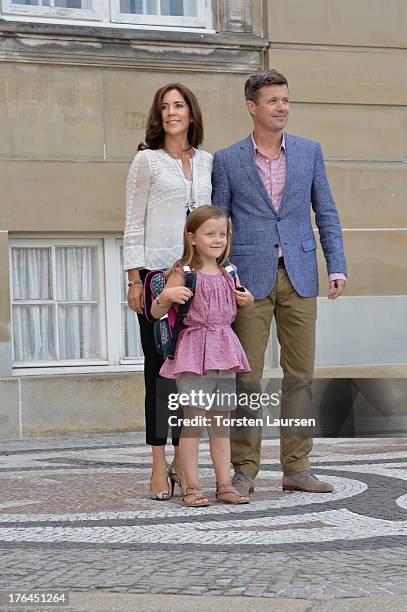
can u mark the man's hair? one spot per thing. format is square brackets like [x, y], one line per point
[255, 82]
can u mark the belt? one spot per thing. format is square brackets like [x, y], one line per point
[211, 326]
[281, 263]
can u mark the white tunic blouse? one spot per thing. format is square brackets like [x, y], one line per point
[156, 194]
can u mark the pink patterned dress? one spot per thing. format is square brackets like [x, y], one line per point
[208, 341]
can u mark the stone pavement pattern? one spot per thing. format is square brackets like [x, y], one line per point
[75, 515]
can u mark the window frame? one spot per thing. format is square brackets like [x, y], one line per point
[114, 305]
[110, 313]
[200, 21]
[8, 8]
[107, 13]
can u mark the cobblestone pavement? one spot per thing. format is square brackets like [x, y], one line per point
[75, 514]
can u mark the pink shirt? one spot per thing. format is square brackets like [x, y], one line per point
[273, 173]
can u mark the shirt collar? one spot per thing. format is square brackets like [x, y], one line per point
[257, 150]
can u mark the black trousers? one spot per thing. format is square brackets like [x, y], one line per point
[157, 388]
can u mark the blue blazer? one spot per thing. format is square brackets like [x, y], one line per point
[258, 229]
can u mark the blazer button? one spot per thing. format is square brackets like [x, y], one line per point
[276, 246]
[278, 219]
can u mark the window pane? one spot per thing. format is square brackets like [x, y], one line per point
[27, 2]
[151, 7]
[172, 7]
[130, 328]
[124, 287]
[78, 328]
[139, 7]
[33, 333]
[132, 7]
[178, 8]
[125, 279]
[32, 278]
[77, 274]
[74, 4]
[131, 333]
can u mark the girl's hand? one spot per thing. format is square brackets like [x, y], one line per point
[244, 299]
[175, 295]
[135, 298]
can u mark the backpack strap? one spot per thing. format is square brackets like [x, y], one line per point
[182, 309]
[230, 269]
[190, 283]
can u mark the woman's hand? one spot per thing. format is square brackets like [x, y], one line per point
[175, 295]
[135, 298]
[244, 299]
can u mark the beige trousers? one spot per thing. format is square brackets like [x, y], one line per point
[295, 318]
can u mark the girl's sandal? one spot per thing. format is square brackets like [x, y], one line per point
[227, 494]
[194, 498]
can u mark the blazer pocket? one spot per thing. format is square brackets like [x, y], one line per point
[243, 249]
[309, 245]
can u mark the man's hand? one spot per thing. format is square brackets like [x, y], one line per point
[335, 288]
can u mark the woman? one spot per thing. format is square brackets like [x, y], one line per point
[168, 178]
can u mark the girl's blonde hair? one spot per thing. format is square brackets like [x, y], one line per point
[195, 219]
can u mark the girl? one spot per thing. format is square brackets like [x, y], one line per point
[169, 176]
[208, 352]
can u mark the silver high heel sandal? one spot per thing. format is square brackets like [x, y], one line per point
[174, 479]
[160, 495]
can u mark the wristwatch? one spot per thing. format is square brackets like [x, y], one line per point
[138, 281]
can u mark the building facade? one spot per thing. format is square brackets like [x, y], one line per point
[76, 81]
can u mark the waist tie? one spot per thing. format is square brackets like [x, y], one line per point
[211, 326]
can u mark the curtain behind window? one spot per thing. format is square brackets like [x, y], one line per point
[33, 324]
[131, 341]
[78, 323]
[48, 327]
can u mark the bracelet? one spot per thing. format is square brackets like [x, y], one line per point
[161, 305]
[138, 281]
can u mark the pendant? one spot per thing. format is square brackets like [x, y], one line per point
[190, 206]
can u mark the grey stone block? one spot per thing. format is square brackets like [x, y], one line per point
[9, 419]
[96, 403]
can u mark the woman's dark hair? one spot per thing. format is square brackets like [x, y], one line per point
[155, 135]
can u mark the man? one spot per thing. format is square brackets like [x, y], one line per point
[268, 183]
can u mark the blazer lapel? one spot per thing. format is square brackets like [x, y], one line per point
[249, 164]
[291, 164]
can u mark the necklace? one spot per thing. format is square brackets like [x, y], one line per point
[190, 199]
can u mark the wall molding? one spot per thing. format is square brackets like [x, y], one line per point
[157, 50]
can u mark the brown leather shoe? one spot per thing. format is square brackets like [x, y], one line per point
[307, 482]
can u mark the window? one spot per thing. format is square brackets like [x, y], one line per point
[68, 9]
[161, 12]
[69, 304]
[147, 13]
[131, 345]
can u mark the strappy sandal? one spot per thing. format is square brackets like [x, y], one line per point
[227, 494]
[196, 497]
